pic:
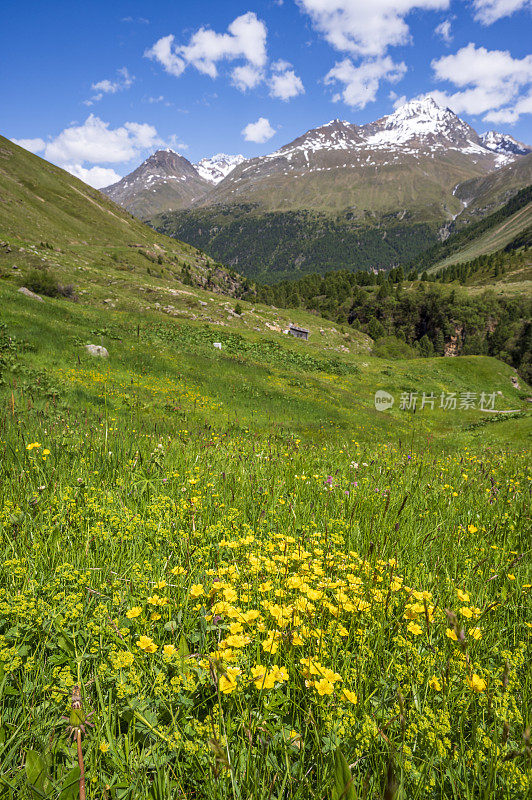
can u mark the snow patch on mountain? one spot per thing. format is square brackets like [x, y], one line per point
[218, 167]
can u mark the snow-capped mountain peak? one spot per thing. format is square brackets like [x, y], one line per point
[216, 168]
[421, 119]
[504, 143]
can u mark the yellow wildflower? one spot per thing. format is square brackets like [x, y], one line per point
[351, 696]
[146, 644]
[228, 682]
[414, 628]
[476, 683]
[323, 686]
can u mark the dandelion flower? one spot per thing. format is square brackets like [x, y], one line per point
[134, 612]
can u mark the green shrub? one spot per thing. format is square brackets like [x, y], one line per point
[391, 347]
[41, 281]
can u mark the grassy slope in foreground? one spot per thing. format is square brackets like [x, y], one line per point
[220, 585]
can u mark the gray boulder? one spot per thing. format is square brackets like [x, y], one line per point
[96, 350]
[32, 295]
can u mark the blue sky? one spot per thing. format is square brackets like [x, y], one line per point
[96, 86]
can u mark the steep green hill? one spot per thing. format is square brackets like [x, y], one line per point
[486, 194]
[487, 235]
[50, 220]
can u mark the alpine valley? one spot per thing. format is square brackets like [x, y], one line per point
[341, 196]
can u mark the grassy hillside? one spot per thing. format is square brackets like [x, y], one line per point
[51, 220]
[483, 236]
[486, 194]
[497, 237]
[166, 361]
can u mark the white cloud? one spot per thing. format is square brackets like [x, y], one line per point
[489, 11]
[176, 144]
[259, 131]
[443, 30]
[33, 145]
[284, 83]
[244, 40]
[363, 27]
[511, 115]
[163, 51]
[490, 82]
[105, 86]
[94, 141]
[362, 83]
[125, 80]
[246, 76]
[95, 176]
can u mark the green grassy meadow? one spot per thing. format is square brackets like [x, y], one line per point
[264, 587]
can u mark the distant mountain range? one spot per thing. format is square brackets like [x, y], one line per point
[339, 196]
[408, 162]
